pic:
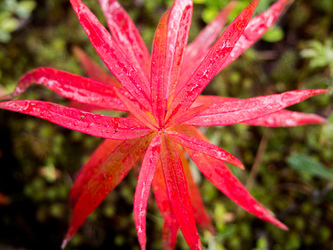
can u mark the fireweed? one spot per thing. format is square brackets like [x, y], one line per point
[162, 94]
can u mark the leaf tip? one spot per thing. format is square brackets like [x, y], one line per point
[77, 51]
[64, 243]
[322, 120]
[285, 2]
[6, 97]
[319, 91]
[241, 166]
[211, 229]
[237, 163]
[282, 226]
[276, 222]
[143, 246]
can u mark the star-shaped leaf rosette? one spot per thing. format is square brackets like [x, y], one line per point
[161, 92]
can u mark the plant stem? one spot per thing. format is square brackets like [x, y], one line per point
[258, 158]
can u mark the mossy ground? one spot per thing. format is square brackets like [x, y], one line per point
[39, 160]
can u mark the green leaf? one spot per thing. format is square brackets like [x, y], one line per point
[209, 14]
[199, 1]
[24, 8]
[273, 35]
[4, 37]
[9, 25]
[309, 165]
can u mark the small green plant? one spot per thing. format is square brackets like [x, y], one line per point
[13, 15]
[319, 54]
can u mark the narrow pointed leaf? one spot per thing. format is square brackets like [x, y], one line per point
[93, 124]
[209, 99]
[219, 174]
[187, 115]
[255, 29]
[3, 91]
[170, 227]
[4, 200]
[145, 179]
[203, 146]
[106, 177]
[178, 30]
[160, 192]
[93, 70]
[137, 112]
[84, 106]
[200, 213]
[208, 35]
[169, 232]
[212, 62]
[159, 76]
[196, 50]
[90, 168]
[126, 34]
[282, 118]
[178, 192]
[234, 112]
[113, 57]
[285, 118]
[168, 50]
[71, 86]
[308, 165]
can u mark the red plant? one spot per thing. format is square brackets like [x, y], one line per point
[4, 200]
[162, 93]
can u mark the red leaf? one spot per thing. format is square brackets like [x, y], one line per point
[168, 49]
[104, 179]
[200, 45]
[219, 174]
[93, 70]
[99, 156]
[255, 29]
[285, 118]
[178, 29]
[71, 86]
[180, 118]
[212, 62]
[159, 75]
[3, 92]
[170, 227]
[209, 99]
[141, 115]
[93, 124]
[169, 232]
[113, 57]
[4, 200]
[203, 146]
[178, 192]
[197, 50]
[160, 192]
[126, 35]
[84, 106]
[282, 118]
[145, 179]
[226, 113]
[200, 213]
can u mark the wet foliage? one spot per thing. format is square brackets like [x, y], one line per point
[287, 169]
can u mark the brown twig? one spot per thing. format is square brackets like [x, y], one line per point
[258, 158]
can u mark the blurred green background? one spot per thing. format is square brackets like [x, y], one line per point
[289, 170]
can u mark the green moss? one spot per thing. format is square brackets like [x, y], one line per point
[29, 144]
